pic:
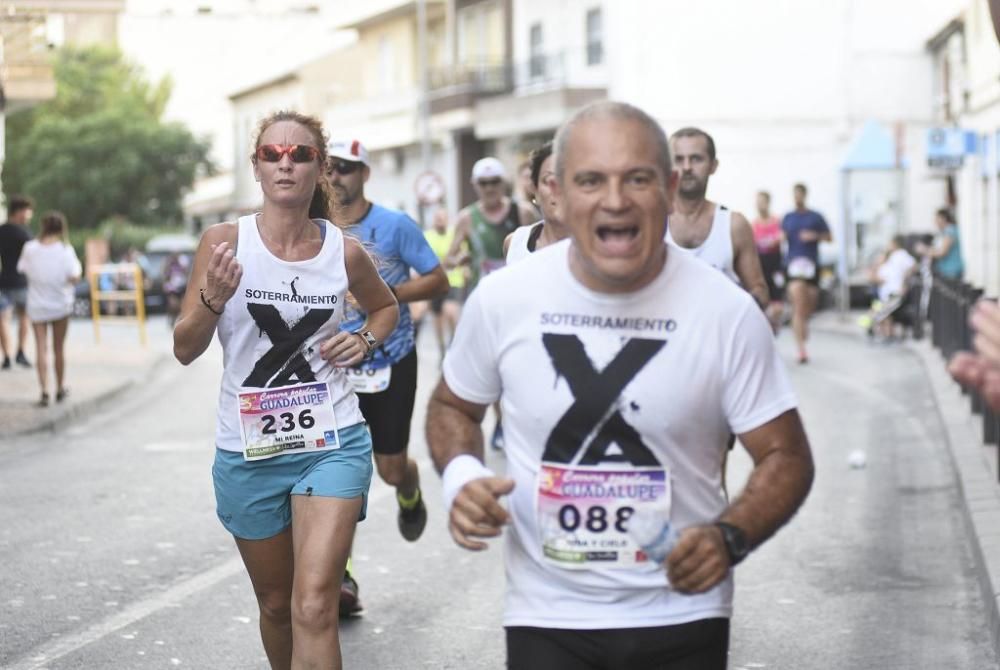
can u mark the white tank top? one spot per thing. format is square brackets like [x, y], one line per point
[518, 248]
[717, 249]
[272, 327]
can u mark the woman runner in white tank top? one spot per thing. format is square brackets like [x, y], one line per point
[528, 239]
[292, 451]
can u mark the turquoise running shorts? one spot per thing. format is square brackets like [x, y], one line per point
[253, 498]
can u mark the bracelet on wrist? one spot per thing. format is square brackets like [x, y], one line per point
[206, 303]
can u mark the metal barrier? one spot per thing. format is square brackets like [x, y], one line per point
[134, 295]
[950, 304]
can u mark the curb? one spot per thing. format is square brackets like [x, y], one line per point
[976, 471]
[85, 408]
[975, 466]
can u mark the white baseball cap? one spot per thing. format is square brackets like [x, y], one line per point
[348, 150]
[488, 168]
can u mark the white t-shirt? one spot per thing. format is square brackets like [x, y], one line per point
[893, 274]
[50, 269]
[657, 378]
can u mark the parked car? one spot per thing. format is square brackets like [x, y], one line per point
[153, 262]
[159, 251]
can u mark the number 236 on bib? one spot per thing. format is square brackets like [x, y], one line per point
[295, 419]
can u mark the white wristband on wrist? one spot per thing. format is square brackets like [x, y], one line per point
[460, 471]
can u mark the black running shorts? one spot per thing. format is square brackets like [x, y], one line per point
[389, 412]
[774, 275]
[698, 645]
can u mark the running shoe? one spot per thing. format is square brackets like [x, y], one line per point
[497, 440]
[412, 519]
[350, 603]
[6, 363]
[22, 360]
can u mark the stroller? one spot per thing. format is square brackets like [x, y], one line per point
[908, 309]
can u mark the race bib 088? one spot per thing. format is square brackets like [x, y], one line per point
[583, 512]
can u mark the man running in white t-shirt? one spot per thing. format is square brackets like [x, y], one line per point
[623, 366]
[712, 232]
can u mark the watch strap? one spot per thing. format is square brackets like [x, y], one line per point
[735, 540]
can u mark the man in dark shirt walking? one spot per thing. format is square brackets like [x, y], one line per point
[14, 285]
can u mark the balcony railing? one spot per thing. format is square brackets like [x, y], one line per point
[483, 79]
[459, 86]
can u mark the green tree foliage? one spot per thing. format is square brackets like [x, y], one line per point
[100, 149]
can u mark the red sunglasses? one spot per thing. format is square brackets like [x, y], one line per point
[298, 153]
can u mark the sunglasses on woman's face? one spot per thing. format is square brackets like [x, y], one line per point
[343, 167]
[298, 153]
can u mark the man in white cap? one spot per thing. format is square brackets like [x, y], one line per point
[485, 224]
[386, 382]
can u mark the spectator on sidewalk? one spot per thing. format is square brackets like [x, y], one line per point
[890, 277]
[946, 251]
[52, 269]
[13, 286]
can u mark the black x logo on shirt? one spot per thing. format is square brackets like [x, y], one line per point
[283, 363]
[595, 393]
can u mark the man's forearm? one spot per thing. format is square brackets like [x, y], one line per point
[424, 287]
[777, 486]
[451, 433]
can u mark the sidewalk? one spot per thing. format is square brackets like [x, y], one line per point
[95, 374]
[976, 465]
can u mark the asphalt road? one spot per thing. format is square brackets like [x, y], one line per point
[112, 556]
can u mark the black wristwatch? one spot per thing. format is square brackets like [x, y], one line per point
[736, 542]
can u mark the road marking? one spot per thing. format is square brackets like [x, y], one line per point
[40, 656]
[45, 654]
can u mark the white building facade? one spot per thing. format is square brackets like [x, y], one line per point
[785, 87]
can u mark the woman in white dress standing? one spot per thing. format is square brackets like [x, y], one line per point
[52, 269]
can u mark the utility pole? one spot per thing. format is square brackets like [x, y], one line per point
[424, 104]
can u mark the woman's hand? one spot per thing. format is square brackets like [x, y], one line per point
[344, 350]
[223, 276]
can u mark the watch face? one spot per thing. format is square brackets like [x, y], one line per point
[736, 542]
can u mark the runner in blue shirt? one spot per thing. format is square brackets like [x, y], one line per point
[386, 383]
[804, 229]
